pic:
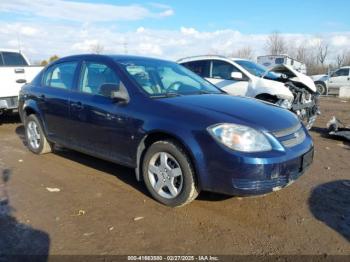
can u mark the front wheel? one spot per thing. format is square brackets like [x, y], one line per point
[168, 174]
[35, 136]
[321, 88]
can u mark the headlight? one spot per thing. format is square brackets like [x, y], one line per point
[240, 138]
[285, 103]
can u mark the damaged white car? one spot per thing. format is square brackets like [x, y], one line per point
[281, 85]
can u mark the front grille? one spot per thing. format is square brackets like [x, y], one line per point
[248, 184]
[286, 132]
[292, 136]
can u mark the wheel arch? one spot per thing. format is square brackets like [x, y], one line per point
[30, 107]
[158, 135]
[267, 97]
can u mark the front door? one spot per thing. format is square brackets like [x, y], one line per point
[221, 77]
[339, 78]
[100, 125]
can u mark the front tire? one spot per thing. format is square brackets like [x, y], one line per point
[168, 174]
[35, 136]
[321, 88]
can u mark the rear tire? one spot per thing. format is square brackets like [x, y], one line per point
[35, 136]
[168, 174]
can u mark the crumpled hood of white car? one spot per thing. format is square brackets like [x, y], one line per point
[295, 76]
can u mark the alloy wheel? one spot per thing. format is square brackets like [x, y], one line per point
[33, 134]
[165, 175]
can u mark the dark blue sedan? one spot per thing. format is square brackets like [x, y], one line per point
[180, 133]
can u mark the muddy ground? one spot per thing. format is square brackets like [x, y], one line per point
[97, 205]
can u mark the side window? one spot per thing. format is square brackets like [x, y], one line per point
[223, 70]
[341, 72]
[94, 75]
[201, 68]
[279, 61]
[1, 62]
[13, 59]
[61, 75]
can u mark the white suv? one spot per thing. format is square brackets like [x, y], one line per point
[281, 85]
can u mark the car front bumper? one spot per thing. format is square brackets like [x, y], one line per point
[242, 174]
[277, 180]
[8, 103]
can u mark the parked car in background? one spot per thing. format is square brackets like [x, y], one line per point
[15, 70]
[330, 84]
[180, 133]
[270, 61]
[281, 85]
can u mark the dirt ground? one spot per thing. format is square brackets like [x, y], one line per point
[101, 209]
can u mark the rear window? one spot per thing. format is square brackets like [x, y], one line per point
[201, 68]
[13, 59]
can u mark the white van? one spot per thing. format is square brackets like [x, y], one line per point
[270, 61]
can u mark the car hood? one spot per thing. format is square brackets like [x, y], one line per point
[239, 110]
[295, 76]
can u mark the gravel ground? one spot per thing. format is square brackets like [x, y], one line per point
[101, 209]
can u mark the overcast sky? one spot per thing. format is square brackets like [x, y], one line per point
[168, 29]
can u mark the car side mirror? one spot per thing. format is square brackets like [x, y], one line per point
[237, 76]
[116, 92]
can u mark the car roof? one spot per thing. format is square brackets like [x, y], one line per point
[115, 57]
[10, 50]
[205, 57]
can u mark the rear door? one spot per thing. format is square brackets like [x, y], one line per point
[221, 77]
[53, 99]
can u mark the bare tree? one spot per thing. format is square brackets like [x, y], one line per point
[244, 52]
[302, 53]
[275, 44]
[340, 59]
[322, 51]
[96, 48]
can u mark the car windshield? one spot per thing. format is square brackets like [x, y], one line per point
[163, 79]
[256, 69]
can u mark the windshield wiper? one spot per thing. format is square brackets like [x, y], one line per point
[167, 94]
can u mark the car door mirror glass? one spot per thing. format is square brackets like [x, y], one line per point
[108, 88]
[237, 76]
